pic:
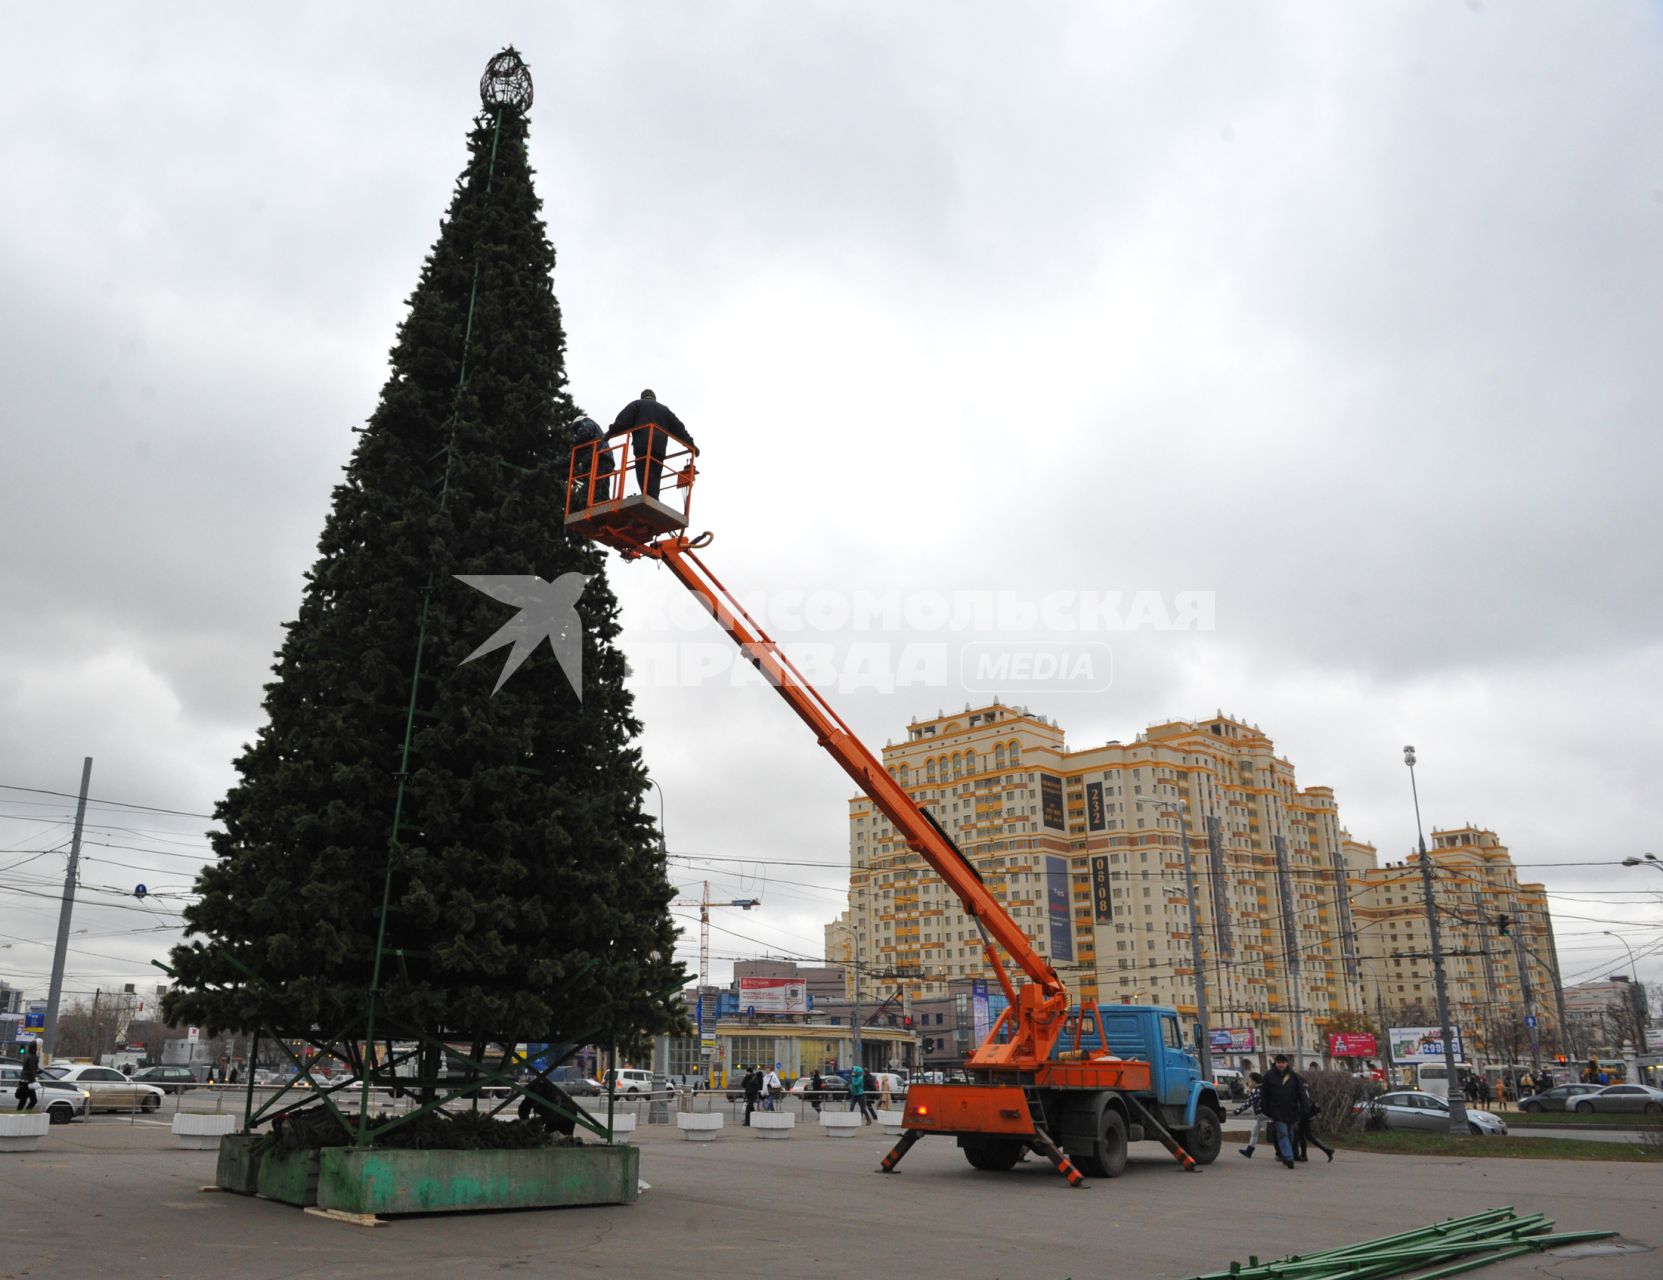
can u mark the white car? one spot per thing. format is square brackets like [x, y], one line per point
[1423, 1111]
[630, 1080]
[62, 1102]
[109, 1089]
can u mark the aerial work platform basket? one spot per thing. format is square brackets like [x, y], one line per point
[627, 491]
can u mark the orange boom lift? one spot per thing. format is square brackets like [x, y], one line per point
[1026, 1092]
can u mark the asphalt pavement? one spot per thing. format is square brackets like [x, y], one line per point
[112, 1196]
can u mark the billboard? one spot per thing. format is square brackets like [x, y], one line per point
[1231, 1039]
[1058, 910]
[980, 1015]
[1102, 896]
[1096, 819]
[773, 995]
[1050, 802]
[1351, 1044]
[1422, 1044]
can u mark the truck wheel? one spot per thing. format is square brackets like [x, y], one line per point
[1109, 1160]
[1205, 1137]
[994, 1154]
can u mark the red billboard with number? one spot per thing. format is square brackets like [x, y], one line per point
[1351, 1044]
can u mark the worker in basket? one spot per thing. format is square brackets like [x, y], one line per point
[584, 432]
[636, 420]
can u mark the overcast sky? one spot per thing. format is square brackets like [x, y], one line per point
[1345, 318]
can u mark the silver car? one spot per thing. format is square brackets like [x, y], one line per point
[1559, 1098]
[1424, 1112]
[110, 1090]
[1618, 1099]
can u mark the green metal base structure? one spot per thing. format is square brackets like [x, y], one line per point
[391, 1182]
[358, 1180]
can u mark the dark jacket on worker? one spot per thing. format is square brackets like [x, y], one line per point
[1279, 1094]
[648, 413]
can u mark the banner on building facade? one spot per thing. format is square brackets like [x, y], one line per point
[979, 1016]
[1231, 1039]
[1351, 1044]
[1422, 1044]
[1050, 802]
[1058, 908]
[773, 995]
[1096, 818]
[1102, 896]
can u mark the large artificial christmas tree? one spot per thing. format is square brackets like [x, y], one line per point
[410, 851]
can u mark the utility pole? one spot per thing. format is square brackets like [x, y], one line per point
[1203, 1046]
[1457, 1102]
[1526, 989]
[54, 993]
[854, 1017]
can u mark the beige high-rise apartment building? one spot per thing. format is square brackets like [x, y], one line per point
[1086, 849]
[1497, 981]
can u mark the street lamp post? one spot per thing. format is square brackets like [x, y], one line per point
[1645, 860]
[1635, 995]
[1452, 1082]
[1203, 1034]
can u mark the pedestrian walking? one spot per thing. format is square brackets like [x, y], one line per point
[753, 1091]
[27, 1094]
[636, 419]
[815, 1085]
[1279, 1094]
[772, 1089]
[858, 1100]
[1307, 1123]
[1255, 1099]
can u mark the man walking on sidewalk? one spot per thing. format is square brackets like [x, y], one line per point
[1279, 1093]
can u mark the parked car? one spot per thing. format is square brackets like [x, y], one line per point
[1425, 1112]
[830, 1087]
[1230, 1083]
[167, 1079]
[61, 1102]
[1621, 1099]
[1558, 1098]
[110, 1090]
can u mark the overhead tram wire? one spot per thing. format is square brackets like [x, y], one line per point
[96, 803]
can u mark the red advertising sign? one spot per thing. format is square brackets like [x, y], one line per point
[1351, 1044]
[773, 995]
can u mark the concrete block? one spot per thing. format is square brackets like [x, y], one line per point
[893, 1122]
[202, 1131]
[239, 1164]
[22, 1130]
[839, 1124]
[391, 1182]
[773, 1124]
[700, 1126]
[288, 1176]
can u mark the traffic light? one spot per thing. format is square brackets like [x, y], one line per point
[1501, 924]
